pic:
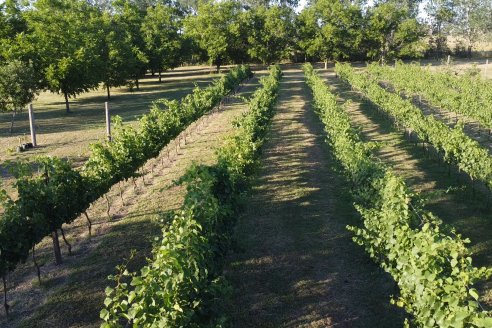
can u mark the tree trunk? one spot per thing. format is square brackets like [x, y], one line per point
[160, 76]
[56, 247]
[67, 105]
[12, 122]
[218, 67]
[89, 222]
[137, 84]
[38, 271]
[5, 304]
[107, 89]
[469, 52]
[326, 63]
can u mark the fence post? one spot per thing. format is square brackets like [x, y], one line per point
[449, 59]
[32, 126]
[486, 67]
[108, 120]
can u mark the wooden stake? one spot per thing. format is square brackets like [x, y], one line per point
[108, 120]
[32, 126]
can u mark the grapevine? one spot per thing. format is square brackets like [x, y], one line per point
[433, 270]
[182, 283]
[51, 193]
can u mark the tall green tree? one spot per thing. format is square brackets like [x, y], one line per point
[161, 32]
[216, 28]
[65, 36]
[130, 16]
[337, 26]
[18, 86]
[472, 21]
[270, 32]
[440, 15]
[306, 30]
[391, 32]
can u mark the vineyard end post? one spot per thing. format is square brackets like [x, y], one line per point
[32, 125]
[108, 120]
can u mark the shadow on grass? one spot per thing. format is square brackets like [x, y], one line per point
[88, 111]
[80, 298]
[299, 266]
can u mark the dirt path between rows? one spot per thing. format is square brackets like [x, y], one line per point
[72, 294]
[297, 265]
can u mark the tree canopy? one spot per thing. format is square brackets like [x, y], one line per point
[73, 46]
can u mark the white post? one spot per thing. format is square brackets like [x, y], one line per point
[449, 59]
[108, 121]
[32, 126]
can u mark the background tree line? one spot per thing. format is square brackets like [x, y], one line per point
[73, 46]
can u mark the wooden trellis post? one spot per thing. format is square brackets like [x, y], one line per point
[32, 126]
[108, 120]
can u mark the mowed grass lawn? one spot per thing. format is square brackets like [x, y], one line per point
[69, 134]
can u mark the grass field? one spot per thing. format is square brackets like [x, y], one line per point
[69, 135]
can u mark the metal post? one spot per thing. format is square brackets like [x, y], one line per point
[32, 126]
[108, 121]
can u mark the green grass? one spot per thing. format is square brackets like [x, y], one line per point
[69, 134]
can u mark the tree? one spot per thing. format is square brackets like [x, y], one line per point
[391, 32]
[118, 60]
[129, 15]
[472, 20]
[306, 30]
[337, 26]
[440, 14]
[270, 32]
[18, 87]
[160, 31]
[216, 28]
[64, 33]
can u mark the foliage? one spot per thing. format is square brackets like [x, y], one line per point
[391, 32]
[51, 193]
[271, 30]
[455, 145]
[182, 283]
[433, 270]
[18, 85]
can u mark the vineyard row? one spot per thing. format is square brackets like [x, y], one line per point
[433, 270]
[54, 193]
[466, 95]
[457, 148]
[182, 285]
